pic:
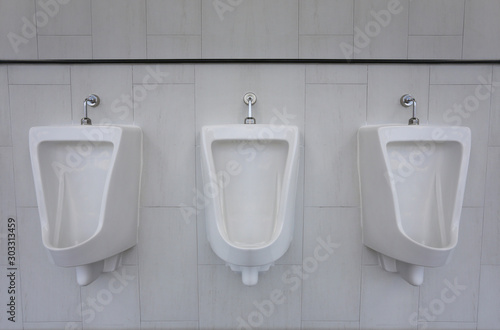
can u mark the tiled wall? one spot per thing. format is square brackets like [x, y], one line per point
[97, 29]
[172, 279]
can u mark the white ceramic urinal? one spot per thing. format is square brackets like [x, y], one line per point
[87, 181]
[412, 181]
[250, 179]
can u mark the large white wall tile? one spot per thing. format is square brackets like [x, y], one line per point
[250, 29]
[386, 85]
[112, 300]
[173, 325]
[450, 74]
[167, 265]
[458, 105]
[491, 232]
[52, 325]
[180, 47]
[274, 302]
[494, 139]
[50, 293]
[333, 115]
[450, 292]
[39, 75]
[336, 74]
[5, 134]
[64, 47]
[7, 201]
[118, 29]
[64, 18]
[435, 47]
[332, 264]
[387, 301]
[18, 30]
[447, 325]
[34, 105]
[489, 298]
[166, 116]
[113, 85]
[325, 17]
[162, 74]
[324, 46]
[481, 27]
[177, 17]
[436, 17]
[380, 29]
[329, 325]
[279, 90]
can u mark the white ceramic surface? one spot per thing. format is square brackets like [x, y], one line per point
[87, 181]
[250, 180]
[412, 181]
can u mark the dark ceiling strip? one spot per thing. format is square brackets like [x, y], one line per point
[250, 61]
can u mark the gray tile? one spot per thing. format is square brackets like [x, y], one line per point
[489, 302]
[118, 29]
[166, 116]
[491, 232]
[18, 37]
[112, 300]
[320, 17]
[39, 75]
[480, 28]
[64, 18]
[167, 266]
[174, 17]
[436, 18]
[226, 303]
[64, 47]
[380, 29]
[5, 124]
[174, 47]
[324, 46]
[53, 297]
[331, 138]
[387, 301]
[250, 29]
[435, 47]
[331, 270]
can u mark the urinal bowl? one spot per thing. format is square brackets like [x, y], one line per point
[87, 181]
[250, 181]
[412, 182]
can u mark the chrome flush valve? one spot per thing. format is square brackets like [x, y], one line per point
[407, 101]
[93, 101]
[250, 99]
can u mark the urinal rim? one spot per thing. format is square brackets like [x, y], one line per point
[114, 138]
[464, 140]
[292, 156]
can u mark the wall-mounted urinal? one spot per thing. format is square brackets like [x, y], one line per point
[87, 182]
[412, 181]
[250, 175]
